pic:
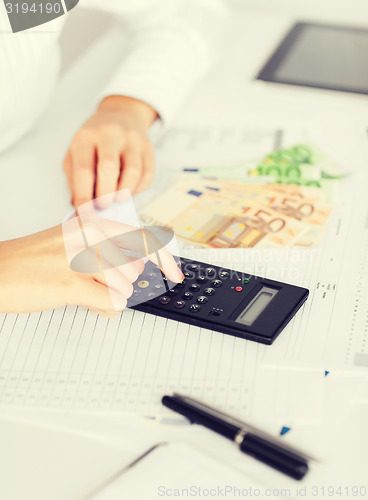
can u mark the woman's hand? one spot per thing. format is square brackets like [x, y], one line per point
[111, 151]
[35, 275]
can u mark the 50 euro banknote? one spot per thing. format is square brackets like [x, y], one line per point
[290, 202]
[305, 204]
[211, 219]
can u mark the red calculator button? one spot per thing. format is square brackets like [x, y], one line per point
[238, 288]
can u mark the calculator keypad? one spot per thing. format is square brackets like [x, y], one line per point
[197, 292]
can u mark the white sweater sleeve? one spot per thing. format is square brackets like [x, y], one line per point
[172, 45]
[29, 66]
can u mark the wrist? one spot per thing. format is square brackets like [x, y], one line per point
[137, 112]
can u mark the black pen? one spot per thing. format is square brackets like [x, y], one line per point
[252, 441]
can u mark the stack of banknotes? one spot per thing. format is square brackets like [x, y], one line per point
[223, 206]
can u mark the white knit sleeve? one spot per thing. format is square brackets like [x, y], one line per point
[172, 44]
[29, 66]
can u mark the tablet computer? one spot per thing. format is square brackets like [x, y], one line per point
[321, 56]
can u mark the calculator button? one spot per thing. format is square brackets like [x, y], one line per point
[194, 308]
[201, 279]
[215, 311]
[209, 272]
[152, 276]
[187, 275]
[193, 267]
[159, 287]
[179, 304]
[238, 288]
[202, 299]
[136, 292]
[143, 284]
[224, 275]
[181, 285]
[172, 292]
[216, 283]
[164, 300]
[209, 291]
[194, 288]
[187, 296]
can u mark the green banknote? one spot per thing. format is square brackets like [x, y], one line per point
[301, 165]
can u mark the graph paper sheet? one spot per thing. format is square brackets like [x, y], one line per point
[74, 358]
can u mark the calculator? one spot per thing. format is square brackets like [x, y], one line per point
[220, 299]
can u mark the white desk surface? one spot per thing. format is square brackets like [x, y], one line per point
[34, 196]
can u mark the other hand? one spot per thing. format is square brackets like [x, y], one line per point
[111, 152]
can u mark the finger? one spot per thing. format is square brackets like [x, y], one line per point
[103, 256]
[166, 262]
[139, 264]
[93, 294]
[105, 297]
[108, 172]
[130, 271]
[160, 256]
[145, 243]
[117, 279]
[148, 171]
[131, 171]
[111, 256]
[68, 170]
[97, 229]
[109, 234]
[83, 157]
[120, 288]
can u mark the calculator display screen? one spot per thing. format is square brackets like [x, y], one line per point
[256, 306]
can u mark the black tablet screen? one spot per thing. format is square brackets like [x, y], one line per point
[330, 57]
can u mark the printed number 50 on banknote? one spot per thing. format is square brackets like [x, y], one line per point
[256, 226]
